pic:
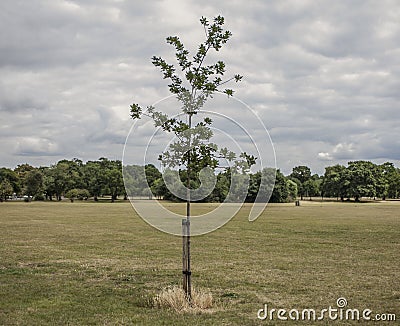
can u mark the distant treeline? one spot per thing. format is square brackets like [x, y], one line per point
[75, 179]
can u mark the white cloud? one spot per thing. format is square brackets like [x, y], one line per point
[31, 146]
[325, 156]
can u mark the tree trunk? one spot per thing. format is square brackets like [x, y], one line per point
[187, 283]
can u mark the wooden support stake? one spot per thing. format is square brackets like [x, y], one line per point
[187, 286]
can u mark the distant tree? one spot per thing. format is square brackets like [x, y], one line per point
[33, 182]
[6, 189]
[12, 177]
[360, 178]
[135, 179]
[362, 182]
[318, 183]
[93, 179]
[335, 182]
[280, 194]
[301, 174]
[62, 181]
[48, 183]
[299, 186]
[268, 177]
[292, 189]
[394, 183]
[281, 191]
[111, 176]
[22, 170]
[221, 190]
[114, 183]
[75, 173]
[79, 194]
[255, 181]
[61, 177]
[239, 185]
[73, 170]
[158, 188]
[152, 174]
[386, 179]
[311, 187]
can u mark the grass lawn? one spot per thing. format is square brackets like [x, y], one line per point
[99, 264]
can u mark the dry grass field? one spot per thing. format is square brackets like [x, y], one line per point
[88, 263]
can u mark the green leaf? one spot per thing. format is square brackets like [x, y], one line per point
[238, 78]
[136, 111]
[228, 91]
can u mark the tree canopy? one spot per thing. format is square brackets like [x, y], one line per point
[104, 178]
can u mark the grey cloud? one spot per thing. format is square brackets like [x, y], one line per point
[42, 34]
[323, 76]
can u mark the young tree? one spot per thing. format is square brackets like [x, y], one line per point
[193, 151]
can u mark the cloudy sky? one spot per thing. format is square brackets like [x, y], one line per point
[324, 76]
